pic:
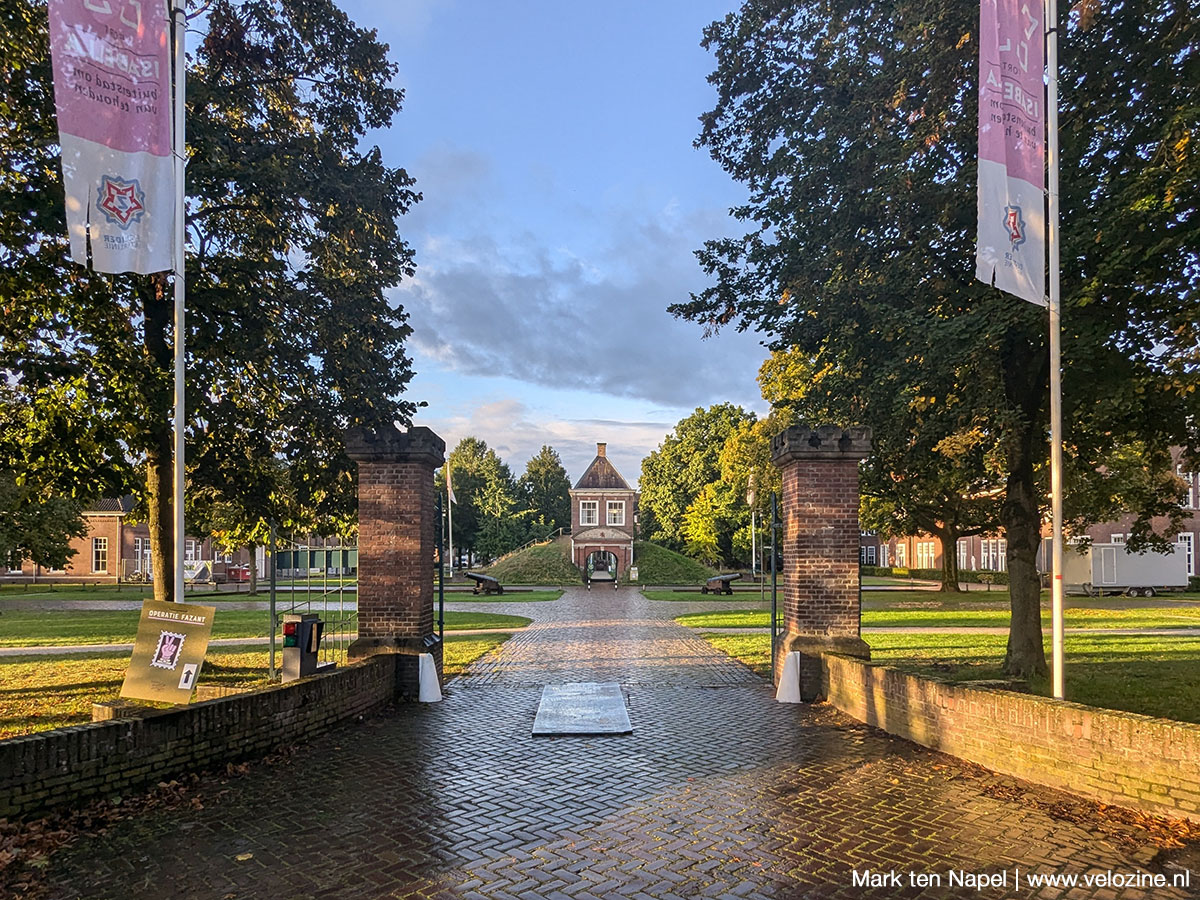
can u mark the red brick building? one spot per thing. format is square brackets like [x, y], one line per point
[603, 506]
[989, 553]
[116, 549]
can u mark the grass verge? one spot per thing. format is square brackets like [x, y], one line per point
[55, 628]
[1154, 676]
[697, 597]
[542, 564]
[44, 692]
[1168, 617]
[658, 565]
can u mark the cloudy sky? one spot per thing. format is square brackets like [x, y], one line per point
[563, 201]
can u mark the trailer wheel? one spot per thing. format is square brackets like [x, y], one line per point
[1133, 592]
[1148, 592]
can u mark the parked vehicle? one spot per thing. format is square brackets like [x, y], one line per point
[1112, 569]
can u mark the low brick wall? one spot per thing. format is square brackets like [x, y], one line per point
[73, 765]
[1115, 757]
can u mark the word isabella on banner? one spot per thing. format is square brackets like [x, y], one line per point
[112, 92]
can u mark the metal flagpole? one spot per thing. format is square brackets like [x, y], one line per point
[450, 520]
[180, 151]
[1056, 436]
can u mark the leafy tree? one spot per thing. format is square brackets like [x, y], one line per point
[674, 474]
[292, 243]
[50, 467]
[857, 143]
[544, 491]
[923, 474]
[36, 528]
[487, 518]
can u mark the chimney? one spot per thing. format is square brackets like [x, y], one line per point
[601, 449]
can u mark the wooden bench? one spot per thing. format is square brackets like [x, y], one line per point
[485, 584]
[720, 584]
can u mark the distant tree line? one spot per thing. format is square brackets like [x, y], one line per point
[494, 512]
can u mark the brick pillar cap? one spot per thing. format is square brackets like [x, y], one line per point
[822, 442]
[390, 444]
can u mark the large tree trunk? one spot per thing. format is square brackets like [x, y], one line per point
[948, 535]
[1022, 526]
[159, 467]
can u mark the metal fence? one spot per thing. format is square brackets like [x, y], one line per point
[315, 579]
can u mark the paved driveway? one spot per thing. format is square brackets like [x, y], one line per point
[719, 792]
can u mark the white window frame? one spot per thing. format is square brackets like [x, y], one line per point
[100, 553]
[1193, 487]
[901, 556]
[614, 506]
[1117, 539]
[190, 550]
[883, 555]
[1002, 555]
[1188, 541]
[589, 512]
[870, 554]
[926, 554]
[141, 555]
[962, 553]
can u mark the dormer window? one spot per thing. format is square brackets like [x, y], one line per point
[589, 512]
[616, 512]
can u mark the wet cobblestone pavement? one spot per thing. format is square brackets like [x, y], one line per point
[719, 792]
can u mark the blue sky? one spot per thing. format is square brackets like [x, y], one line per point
[563, 200]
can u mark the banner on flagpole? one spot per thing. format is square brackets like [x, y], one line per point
[112, 71]
[1011, 248]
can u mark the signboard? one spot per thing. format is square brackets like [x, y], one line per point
[1011, 248]
[168, 652]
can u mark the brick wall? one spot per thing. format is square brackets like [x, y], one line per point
[70, 766]
[1115, 757]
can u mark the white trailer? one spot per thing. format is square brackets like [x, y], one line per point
[1112, 569]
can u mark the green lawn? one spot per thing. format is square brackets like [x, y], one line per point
[32, 628]
[697, 597]
[94, 592]
[44, 692]
[1155, 676]
[1167, 617]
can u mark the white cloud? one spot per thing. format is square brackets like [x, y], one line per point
[517, 433]
[589, 321]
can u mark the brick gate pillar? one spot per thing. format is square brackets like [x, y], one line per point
[820, 540]
[397, 533]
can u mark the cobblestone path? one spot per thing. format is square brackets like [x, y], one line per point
[719, 792]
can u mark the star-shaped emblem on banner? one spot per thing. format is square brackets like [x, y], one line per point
[1014, 224]
[121, 201]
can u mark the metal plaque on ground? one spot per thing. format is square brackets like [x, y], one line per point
[582, 708]
[168, 651]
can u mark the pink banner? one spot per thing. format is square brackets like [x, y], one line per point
[112, 91]
[1011, 195]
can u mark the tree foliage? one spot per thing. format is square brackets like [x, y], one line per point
[488, 520]
[544, 492]
[852, 124]
[292, 244]
[675, 509]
